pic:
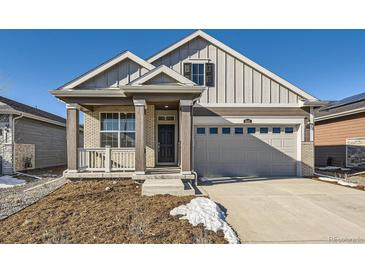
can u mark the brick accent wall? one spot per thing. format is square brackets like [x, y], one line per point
[92, 128]
[150, 136]
[307, 159]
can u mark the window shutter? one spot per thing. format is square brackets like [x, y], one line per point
[209, 74]
[187, 70]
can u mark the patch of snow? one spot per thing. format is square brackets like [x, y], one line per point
[327, 179]
[333, 168]
[9, 181]
[329, 168]
[343, 183]
[204, 211]
[338, 181]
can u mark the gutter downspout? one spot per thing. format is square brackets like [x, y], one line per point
[193, 145]
[13, 137]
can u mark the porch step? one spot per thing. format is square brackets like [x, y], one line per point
[176, 187]
[162, 176]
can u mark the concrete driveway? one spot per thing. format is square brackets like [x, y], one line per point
[291, 210]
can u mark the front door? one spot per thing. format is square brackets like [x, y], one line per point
[166, 143]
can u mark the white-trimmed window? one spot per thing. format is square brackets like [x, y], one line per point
[197, 74]
[200, 73]
[117, 129]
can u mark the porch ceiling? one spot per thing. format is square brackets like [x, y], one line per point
[167, 105]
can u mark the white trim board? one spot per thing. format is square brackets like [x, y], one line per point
[235, 54]
[247, 105]
[107, 65]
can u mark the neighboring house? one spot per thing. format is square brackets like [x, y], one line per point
[340, 133]
[197, 105]
[30, 138]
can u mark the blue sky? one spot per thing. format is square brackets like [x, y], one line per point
[330, 64]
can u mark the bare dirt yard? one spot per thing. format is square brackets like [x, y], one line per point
[17, 197]
[103, 211]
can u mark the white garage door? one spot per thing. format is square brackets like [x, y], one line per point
[245, 151]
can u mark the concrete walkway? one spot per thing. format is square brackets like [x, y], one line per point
[291, 210]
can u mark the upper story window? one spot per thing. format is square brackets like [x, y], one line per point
[200, 73]
[197, 74]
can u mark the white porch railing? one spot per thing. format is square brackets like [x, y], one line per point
[106, 159]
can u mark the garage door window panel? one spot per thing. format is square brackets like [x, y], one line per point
[251, 130]
[289, 130]
[238, 130]
[226, 130]
[213, 130]
[276, 130]
[200, 130]
[264, 130]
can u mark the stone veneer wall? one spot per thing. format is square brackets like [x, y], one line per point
[307, 159]
[6, 146]
[25, 156]
[92, 129]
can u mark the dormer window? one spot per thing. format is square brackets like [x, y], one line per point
[200, 73]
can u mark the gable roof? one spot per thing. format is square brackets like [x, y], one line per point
[347, 106]
[202, 34]
[162, 70]
[12, 106]
[106, 65]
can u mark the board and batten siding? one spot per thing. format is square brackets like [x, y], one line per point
[235, 81]
[116, 76]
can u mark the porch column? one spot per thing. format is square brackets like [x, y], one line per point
[186, 107]
[72, 129]
[140, 165]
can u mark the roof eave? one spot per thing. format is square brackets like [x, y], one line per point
[339, 115]
[314, 103]
[88, 93]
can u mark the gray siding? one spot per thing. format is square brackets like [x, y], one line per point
[235, 81]
[161, 79]
[49, 140]
[118, 75]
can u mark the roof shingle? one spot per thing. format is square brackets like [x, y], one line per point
[14, 105]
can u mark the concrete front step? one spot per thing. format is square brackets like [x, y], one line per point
[142, 177]
[176, 187]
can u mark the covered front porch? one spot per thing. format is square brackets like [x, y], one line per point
[137, 133]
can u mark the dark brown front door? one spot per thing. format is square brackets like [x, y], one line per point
[166, 142]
